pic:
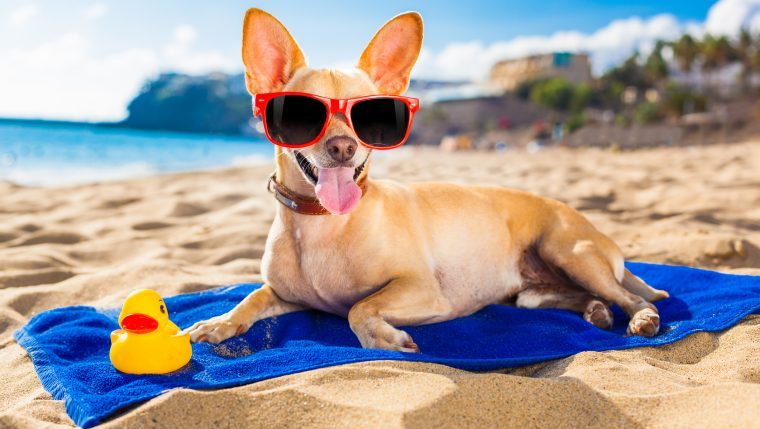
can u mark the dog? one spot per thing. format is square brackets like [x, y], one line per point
[406, 255]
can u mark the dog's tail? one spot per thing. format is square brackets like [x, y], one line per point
[637, 286]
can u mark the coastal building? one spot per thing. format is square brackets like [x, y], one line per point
[482, 122]
[508, 74]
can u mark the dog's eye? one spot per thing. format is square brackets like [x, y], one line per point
[162, 308]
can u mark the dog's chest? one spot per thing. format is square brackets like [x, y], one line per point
[317, 270]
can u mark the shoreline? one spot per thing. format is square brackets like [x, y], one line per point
[117, 126]
[402, 153]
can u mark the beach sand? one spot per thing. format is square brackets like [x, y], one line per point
[181, 233]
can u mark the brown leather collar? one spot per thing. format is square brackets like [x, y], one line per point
[299, 203]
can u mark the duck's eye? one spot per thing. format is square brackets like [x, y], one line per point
[162, 308]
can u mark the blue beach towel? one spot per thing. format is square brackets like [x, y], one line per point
[69, 346]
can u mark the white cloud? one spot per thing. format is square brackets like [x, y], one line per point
[95, 10]
[727, 17]
[62, 79]
[23, 14]
[182, 55]
[607, 46]
[65, 78]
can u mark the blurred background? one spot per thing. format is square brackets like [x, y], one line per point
[99, 90]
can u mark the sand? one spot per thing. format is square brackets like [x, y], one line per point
[187, 232]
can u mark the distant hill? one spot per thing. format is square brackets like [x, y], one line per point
[212, 103]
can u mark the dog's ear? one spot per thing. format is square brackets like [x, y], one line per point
[390, 56]
[270, 54]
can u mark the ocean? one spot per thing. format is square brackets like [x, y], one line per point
[55, 154]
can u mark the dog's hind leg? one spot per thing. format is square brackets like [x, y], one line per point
[260, 304]
[593, 264]
[594, 310]
[635, 285]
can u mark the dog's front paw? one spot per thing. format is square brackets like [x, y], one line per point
[645, 323]
[216, 329]
[385, 336]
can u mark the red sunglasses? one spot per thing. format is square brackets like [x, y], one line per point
[297, 119]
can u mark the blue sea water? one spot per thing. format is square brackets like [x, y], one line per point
[52, 154]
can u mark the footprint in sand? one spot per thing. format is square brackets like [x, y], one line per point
[52, 238]
[32, 299]
[183, 209]
[219, 240]
[596, 202]
[43, 277]
[115, 204]
[691, 350]
[29, 227]
[26, 261]
[149, 226]
[195, 287]
[228, 199]
[246, 252]
[7, 236]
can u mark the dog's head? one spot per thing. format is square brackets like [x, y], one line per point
[274, 63]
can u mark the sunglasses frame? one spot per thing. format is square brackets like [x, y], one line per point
[333, 106]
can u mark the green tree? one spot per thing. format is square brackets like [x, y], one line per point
[716, 52]
[646, 113]
[630, 73]
[685, 52]
[679, 101]
[754, 60]
[555, 93]
[574, 122]
[655, 66]
[582, 97]
[559, 94]
[747, 51]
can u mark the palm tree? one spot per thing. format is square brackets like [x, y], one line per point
[716, 53]
[685, 51]
[719, 51]
[655, 66]
[744, 52]
[748, 53]
[755, 56]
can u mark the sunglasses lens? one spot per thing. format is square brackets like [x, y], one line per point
[295, 119]
[380, 122]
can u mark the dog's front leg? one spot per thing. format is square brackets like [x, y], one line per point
[260, 304]
[405, 301]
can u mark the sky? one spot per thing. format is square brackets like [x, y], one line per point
[86, 59]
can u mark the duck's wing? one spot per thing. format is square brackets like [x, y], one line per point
[116, 334]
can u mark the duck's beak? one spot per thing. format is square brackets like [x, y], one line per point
[138, 323]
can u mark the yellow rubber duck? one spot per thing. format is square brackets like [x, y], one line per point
[148, 342]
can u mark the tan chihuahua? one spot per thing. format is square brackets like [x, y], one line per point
[414, 254]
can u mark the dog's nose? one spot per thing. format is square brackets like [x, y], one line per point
[341, 148]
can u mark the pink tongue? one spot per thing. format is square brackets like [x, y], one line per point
[336, 189]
